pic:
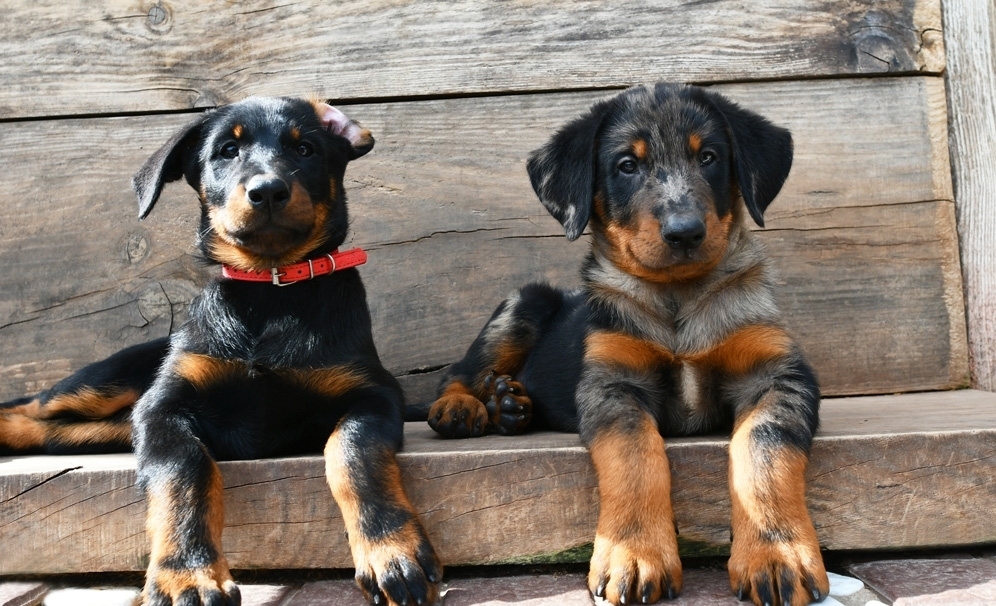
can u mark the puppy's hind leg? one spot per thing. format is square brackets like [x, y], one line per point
[479, 394]
[88, 412]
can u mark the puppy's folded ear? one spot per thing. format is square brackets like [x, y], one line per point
[562, 172]
[167, 164]
[334, 121]
[762, 155]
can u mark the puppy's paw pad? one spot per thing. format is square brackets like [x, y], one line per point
[510, 410]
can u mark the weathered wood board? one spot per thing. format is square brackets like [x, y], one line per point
[108, 57]
[971, 78]
[916, 470]
[863, 233]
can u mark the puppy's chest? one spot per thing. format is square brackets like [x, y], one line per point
[280, 352]
[689, 364]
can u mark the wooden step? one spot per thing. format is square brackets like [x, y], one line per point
[901, 471]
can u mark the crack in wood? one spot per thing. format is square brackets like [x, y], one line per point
[45, 481]
[434, 234]
[273, 480]
[423, 370]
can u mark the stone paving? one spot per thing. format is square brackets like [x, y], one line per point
[948, 581]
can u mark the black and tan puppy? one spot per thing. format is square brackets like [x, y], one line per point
[675, 332]
[276, 358]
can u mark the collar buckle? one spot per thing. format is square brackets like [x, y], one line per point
[275, 275]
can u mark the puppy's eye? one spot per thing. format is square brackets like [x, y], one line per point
[229, 150]
[706, 158]
[628, 166]
[305, 149]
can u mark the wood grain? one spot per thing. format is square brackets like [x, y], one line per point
[108, 57]
[862, 235]
[915, 470]
[971, 79]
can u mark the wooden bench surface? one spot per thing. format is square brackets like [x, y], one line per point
[885, 472]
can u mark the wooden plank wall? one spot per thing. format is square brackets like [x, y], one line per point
[970, 35]
[457, 94]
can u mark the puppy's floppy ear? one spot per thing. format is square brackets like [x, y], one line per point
[762, 155]
[562, 172]
[167, 164]
[334, 121]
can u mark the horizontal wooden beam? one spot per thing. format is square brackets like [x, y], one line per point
[862, 235]
[886, 472]
[103, 57]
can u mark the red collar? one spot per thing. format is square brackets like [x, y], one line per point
[305, 270]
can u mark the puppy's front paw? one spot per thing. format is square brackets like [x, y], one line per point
[210, 586]
[401, 569]
[777, 572]
[641, 570]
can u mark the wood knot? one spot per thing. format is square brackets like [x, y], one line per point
[159, 18]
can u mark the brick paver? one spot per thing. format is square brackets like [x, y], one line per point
[327, 593]
[92, 597]
[937, 582]
[22, 594]
[264, 595]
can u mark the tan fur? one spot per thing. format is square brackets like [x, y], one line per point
[457, 398]
[694, 143]
[19, 432]
[745, 349]
[301, 213]
[370, 556]
[772, 530]
[163, 503]
[639, 250]
[332, 382]
[85, 402]
[636, 536]
[620, 349]
[204, 371]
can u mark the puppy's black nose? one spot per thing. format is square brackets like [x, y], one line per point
[267, 193]
[683, 232]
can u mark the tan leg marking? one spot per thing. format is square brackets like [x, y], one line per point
[775, 557]
[165, 505]
[375, 558]
[636, 547]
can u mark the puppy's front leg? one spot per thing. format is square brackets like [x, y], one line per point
[395, 563]
[775, 557]
[183, 490]
[636, 546]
